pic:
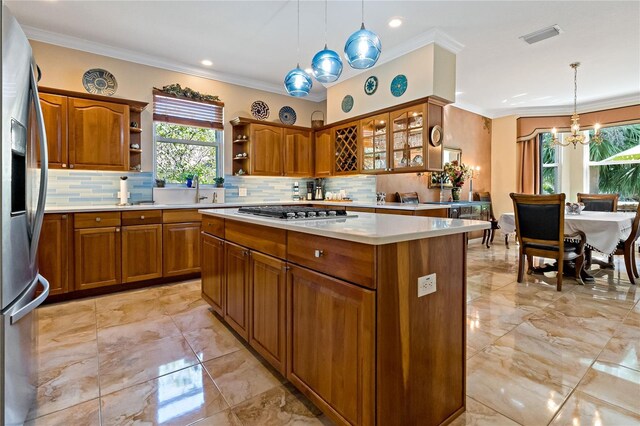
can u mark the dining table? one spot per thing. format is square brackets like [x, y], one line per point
[603, 230]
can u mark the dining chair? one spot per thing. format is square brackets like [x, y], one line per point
[408, 197]
[489, 234]
[540, 231]
[627, 249]
[599, 202]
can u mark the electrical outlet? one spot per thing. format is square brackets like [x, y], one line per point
[242, 192]
[426, 285]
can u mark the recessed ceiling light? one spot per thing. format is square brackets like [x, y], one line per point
[206, 62]
[395, 22]
[542, 34]
[519, 95]
[504, 101]
[308, 70]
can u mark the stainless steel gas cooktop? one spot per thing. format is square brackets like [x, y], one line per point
[294, 212]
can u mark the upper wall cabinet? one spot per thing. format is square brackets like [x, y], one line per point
[323, 153]
[89, 132]
[374, 143]
[98, 135]
[345, 143]
[266, 150]
[298, 153]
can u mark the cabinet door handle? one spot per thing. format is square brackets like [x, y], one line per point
[98, 219]
[245, 252]
[319, 253]
[64, 216]
[71, 166]
[117, 229]
[287, 268]
[64, 165]
[220, 243]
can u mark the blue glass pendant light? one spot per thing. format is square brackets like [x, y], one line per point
[297, 82]
[363, 47]
[326, 64]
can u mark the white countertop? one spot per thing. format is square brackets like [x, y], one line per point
[367, 228]
[113, 207]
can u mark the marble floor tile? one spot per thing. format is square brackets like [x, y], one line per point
[614, 384]
[86, 413]
[60, 356]
[280, 406]
[596, 332]
[223, 418]
[624, 347]
[178, 398]
[212, 342]
[529, 294]
[128, 307]
[125, 336]
[144, 362]
[240, 376]
[477, 414]
[199, 317]
[490, 280]
[481, 334]
[184, 301]
[64, 324]
[528, 400]
[65, 386]
[584, 410]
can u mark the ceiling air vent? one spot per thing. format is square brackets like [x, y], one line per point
[542, 34]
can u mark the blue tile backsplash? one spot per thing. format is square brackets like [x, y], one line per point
[70, 187]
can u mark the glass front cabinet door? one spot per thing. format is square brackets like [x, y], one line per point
[374, 137]
[408, 151]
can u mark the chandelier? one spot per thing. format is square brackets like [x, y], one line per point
[576, 137]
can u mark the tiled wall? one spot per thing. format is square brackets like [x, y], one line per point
[77, 187]
[68, 187]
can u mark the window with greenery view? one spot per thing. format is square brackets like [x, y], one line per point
[614, 165]
[551, 163]
[183, 151]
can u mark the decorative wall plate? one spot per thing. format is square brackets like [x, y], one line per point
[436, 135]
[399, 85]
[287, 115]
[260, 110]
[371, 85]
[99, 82]
[347, 103]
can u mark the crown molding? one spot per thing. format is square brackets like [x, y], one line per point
[434, 35]
[473, 108]
[597, 105]
[76, 43]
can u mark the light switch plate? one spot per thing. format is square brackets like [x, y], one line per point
[426, 285]
[242, 192]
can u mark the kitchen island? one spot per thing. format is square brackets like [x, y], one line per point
[334, 306]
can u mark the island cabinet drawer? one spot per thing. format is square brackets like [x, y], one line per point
[96, 220]
[264, 239]
[350, 261]
[213, 226]
[181, 215]
[142, 217]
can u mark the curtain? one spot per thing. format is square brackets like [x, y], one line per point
[529, 166]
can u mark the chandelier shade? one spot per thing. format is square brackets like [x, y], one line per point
[326, 65]
[362, 49]
[297, 82]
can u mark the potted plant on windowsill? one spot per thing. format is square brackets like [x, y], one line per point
[219, 182]
[457, 173]
[188, 177]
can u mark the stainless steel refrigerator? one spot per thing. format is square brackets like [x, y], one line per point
[23, 189]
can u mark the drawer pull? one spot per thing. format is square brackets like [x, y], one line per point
[245, 253]
[117, 229]
[142, 217]
[98, 219]
[64, 216]
[319, 253]
[71, 166]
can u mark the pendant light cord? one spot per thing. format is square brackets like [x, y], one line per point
[298, 34]
[325, 23]
[575, 89]
[362, 12]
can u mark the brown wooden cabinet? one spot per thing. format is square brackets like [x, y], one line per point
[323, 153]
[54, 113]
[53, 252]
[435, 113]
[97, 257]
[141, 252]
[268, 312]
[345, 142]
[408, 139]
[213, 272]
[237, 290]
[98, 135]
[180, 248]
[266, 150]
[331, 344]
[298, 153]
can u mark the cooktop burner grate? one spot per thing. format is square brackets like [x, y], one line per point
[293, 212]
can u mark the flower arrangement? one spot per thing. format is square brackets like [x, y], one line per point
[457, 173]
[187, 93]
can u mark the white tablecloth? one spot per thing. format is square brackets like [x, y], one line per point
[603, 229]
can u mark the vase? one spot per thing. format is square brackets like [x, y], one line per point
[455, 194]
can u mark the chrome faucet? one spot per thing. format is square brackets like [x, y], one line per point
[199, 199]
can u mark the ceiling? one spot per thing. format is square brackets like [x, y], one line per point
[254, 42]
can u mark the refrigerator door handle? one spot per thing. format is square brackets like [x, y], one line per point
[44, 166]
[17, 316]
